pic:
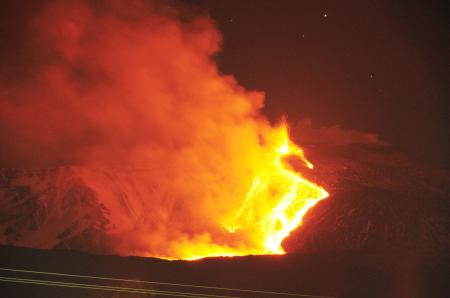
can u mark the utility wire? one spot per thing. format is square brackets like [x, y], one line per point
[107, 288]
[164, 283]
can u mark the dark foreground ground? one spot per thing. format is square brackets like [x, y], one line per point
[332, 274]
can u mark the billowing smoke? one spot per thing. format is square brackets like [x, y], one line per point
[334, 136]
[134, 85]
[122, 82]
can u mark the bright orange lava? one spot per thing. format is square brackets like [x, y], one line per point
[278, 198]
[273, 207]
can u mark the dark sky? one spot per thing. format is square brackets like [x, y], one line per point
[377, 66]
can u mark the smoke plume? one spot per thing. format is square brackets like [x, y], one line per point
[134, 85]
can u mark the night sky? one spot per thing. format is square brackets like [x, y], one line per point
[376, 66]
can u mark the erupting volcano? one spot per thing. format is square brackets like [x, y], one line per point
[223, 149]
[129, 140]
[278, 198]
[275, 204]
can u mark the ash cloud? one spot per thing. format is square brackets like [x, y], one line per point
[133, 84]
[332, 135]
[106, 82]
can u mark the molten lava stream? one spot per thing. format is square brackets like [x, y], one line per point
[273, 207]
[277, 200]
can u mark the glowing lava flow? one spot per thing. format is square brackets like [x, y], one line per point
[278, 198]
[274, 206]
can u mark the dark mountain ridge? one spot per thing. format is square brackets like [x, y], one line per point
[380, 202]
[343, 274]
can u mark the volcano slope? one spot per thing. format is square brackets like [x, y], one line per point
[307, 274]
[384, 231]
[380, 202]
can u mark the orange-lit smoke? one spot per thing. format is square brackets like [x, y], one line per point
[125, 84]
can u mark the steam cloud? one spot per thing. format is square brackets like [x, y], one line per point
[333, 135]
[121, 82]
[133, 84]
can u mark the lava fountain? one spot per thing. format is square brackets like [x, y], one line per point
[278, 198]
[275, 203]
[177, 158]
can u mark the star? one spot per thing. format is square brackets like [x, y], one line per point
[325, 15]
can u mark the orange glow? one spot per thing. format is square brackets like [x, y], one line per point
[278, 198]
[274, 205]
[179, 156]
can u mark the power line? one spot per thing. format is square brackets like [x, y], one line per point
[164, 283]
[107, 288]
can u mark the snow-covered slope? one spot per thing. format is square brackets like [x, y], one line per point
[74, 207]
[379, 202]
